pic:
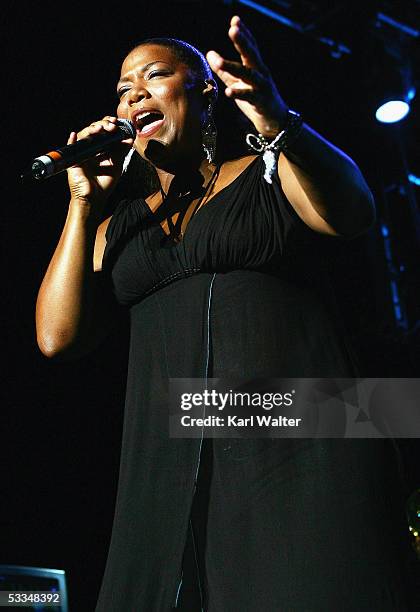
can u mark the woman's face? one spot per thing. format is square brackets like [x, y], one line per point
[157, 93]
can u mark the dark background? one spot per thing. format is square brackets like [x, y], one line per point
[62, 423]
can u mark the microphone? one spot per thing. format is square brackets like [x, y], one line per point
[56, 161]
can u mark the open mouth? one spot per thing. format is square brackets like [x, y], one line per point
[148, 122]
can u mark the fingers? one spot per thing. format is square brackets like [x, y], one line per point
[217, 63]
[245, 44]
[229, 71]
[247, 94]
[113, 121]
[72, 138]
[108, 124]
[108, 158]
[251, 70]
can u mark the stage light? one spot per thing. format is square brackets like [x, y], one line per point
[392, 111]
[396, 81]
[395, 106]
[414, 179]
[411, 93]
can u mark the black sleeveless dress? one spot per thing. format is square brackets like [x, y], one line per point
[222, 525]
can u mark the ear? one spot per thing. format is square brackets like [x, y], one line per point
[209, 91]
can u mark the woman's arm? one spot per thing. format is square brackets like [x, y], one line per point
[73, 312]
[324, 186]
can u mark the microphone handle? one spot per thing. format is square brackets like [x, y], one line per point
[57, 161]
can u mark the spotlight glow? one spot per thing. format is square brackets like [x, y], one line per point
[416, 180]
[411, 94]
[392, 111]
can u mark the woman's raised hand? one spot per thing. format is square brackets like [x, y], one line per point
[93, 181]
[249, 82]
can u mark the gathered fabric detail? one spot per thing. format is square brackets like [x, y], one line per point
[171, 278]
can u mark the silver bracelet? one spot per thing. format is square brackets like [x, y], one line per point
[282, 142]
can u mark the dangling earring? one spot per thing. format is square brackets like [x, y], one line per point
[209, 136]
[127, 159]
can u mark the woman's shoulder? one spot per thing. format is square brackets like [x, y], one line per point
[237, 165]
[232, 168]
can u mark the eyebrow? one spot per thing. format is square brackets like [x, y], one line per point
[142, 70]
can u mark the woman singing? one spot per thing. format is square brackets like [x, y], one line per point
[219, 268]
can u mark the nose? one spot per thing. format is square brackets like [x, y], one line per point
[136, 94]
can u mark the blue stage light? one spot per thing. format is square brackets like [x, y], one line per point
[392, 111]
[414, 179]
[411, 94]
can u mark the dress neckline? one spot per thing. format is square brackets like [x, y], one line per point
[210, 200]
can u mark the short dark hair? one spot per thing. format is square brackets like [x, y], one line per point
[186, 54]
[232, 125]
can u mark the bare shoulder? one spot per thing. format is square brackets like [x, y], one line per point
[239, 162]
[100, 243]
[234, 167]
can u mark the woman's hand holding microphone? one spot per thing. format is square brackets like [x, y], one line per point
[92, 182]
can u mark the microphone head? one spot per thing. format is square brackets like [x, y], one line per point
[127, 127]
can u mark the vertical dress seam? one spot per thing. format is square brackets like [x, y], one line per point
[206, 370]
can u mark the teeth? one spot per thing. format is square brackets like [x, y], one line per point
[141, 116]
[139, 119]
